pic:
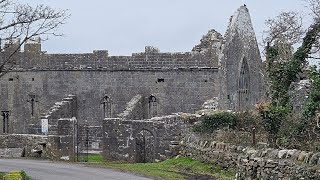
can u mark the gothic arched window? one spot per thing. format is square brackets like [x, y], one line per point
[153, 106]
[107, 109]
[244, 84]
[32, 100]
[5, 121]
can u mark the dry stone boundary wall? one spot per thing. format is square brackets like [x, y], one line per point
[254, 163]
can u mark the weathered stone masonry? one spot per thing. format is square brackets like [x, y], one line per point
[142, 140]
[253, 163]
[125, 103]
[223, 67]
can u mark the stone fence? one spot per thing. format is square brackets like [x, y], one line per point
[147, 140]
[254, 163]
[27, 145]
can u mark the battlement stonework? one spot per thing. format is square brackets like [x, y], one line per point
[100, 60]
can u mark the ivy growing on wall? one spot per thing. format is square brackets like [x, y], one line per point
[313, 101]
[281, 74]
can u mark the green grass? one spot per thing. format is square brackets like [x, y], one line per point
[173, 169]
[95, 158]
[91, 158]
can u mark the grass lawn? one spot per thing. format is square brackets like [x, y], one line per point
[172, 169]
[91, 158]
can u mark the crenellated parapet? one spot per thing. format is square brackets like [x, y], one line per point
[33, 58]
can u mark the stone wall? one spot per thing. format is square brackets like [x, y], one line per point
[67, 108]
[19, 145]
[26, 145]
[160, 139]
[180, 90]
[99, 60]
[298, 94]
[135, 108]
[254, 163]
[241, 66]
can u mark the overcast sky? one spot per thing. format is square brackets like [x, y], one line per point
[126, 26]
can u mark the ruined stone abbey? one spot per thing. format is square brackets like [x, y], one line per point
[224, 71]
[119, 100]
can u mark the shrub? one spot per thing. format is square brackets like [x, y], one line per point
[16, 175]
[272, 116]
[209, 123]
[247, 120]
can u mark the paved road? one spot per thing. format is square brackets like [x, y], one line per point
[46, 170]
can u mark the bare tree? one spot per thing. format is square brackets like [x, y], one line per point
[314, 6]
[20, 23]
[285, 28]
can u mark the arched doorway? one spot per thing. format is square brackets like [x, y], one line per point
[145, 148]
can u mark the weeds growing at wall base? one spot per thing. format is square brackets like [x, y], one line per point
[178, 168]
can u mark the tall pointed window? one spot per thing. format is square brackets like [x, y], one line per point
[32, 101]
[5, 121]
[244, 85]
[153, 106]
[107, 109]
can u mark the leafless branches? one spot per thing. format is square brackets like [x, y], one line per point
[286, 27]
[314, 6]
[22, 22]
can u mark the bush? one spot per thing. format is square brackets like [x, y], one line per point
[272, 117]
[209, 123]
[16, 175]
[247, 120]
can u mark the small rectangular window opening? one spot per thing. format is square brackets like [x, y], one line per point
[10, 79]
[160, 80]
[32, 79]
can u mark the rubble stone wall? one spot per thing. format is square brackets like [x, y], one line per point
[120, 138]
[254, 163]
[26, 145]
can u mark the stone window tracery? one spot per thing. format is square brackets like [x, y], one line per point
[5, 121]
[244, 84]
[107, 107]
